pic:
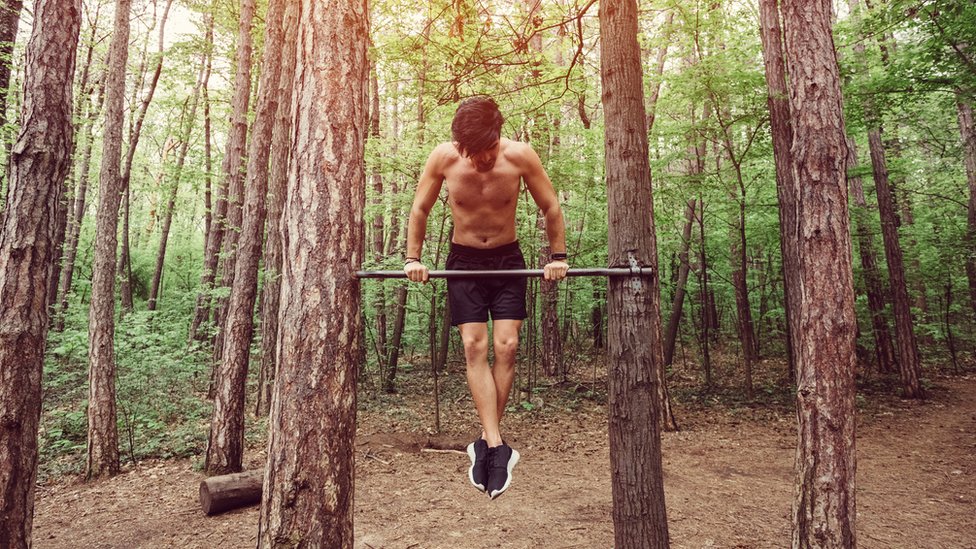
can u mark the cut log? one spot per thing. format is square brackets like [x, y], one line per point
[225, 492]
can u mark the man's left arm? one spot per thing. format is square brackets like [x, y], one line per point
[540, 187]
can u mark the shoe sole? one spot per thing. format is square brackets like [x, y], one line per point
[471, 469]
[511, 465]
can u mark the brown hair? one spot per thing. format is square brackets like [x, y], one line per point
[477, 125]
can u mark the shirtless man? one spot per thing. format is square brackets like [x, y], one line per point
[483, 173]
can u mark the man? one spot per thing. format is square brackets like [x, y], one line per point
[483, 172]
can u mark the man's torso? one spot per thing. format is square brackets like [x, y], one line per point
[483, 203]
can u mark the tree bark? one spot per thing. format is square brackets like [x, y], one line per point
[782, 133]
[39, 165]
[233, 169]
[379, 302]
[874, 287]
[9, 21]
[824, 345]
[308, 495]
[552, 344]
[635, 353]
[103, 446]
[967, 131]
[225, 451]
[677, 303]
[277, 187]
[392, 360]
[909, 368]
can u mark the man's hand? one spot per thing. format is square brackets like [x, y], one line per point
[416, 271]
[555, 270]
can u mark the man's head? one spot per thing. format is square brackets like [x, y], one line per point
[477, 126]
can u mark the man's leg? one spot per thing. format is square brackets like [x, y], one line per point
[482, 385]
[506, 337]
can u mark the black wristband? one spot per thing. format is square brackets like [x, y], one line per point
[558, 256]
[411, 260]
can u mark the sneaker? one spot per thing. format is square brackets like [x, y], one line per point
[478, 472]
[501, 461]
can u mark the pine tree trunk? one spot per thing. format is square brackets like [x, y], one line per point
[277, 187]
[392, 360]
[103, 446]
[967, 131]
[909, 368]
[233, 170]
[313, 417]
[671, 336]
[225, 451]
[635, 352]
[874, 287]
[379, 302]
[782, 132]
[38, 168]
[824, 344]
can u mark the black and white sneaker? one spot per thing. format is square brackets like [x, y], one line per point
[501, 461]
[478, 472]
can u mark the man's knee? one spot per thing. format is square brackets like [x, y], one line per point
[506, 346]
[475, 345]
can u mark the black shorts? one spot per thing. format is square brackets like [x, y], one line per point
[472, 299]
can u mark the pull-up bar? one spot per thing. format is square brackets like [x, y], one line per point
[513, 273]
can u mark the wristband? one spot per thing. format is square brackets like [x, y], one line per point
[558, 256]
[411, 260]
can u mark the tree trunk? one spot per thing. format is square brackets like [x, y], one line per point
[394, 351]
[313, 417]
[635, 353]
[824, 343]
[967, 131]
[277, 187]
[208, 215]
[704, 293]
[103, 446]
[379, 302]
[908, 363]
[740, 285]
[782, 131]
[228, 211]
[552, 344]
[874, 287]
[168, 211]
[233, 170]
[679, 288]
[38, 168]
[225, 451]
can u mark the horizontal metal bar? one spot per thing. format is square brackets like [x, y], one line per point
[512, 273]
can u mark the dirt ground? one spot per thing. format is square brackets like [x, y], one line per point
[728, 478]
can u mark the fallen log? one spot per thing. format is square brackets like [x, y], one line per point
[226, 492]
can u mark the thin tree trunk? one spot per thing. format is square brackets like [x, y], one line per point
[38, 169]
[874, 287]
[824, 509]
[103, 446]
[277, 187]
[225, 451]
[9, 21]
[208, 214]
[552, 344]
[320, 346]
[639, 516]
[379, 302]
[967, 131]
[704, 291]
[394, 356]
[233, 169]
[671, 336]
[782, 132]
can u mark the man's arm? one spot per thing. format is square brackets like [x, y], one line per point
[540, 187]
[428, 189]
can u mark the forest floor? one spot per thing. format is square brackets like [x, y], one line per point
[728, 477]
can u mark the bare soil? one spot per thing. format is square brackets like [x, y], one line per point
[728, 477]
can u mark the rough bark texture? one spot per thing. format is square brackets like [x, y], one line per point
[233, 168]
[308, 489]
[782, 131]
[909, 368]
[824, 343]
[671, 336]
[277, 186]
[884, 350]
[38, 167]
[967, 130]
[103, 446]
[225, 451]
[635, 354]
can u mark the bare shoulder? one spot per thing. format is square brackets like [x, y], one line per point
[519, 153]
[441, 157]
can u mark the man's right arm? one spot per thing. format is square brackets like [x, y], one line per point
[428, 189]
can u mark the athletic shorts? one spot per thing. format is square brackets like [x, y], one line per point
[472, 299]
